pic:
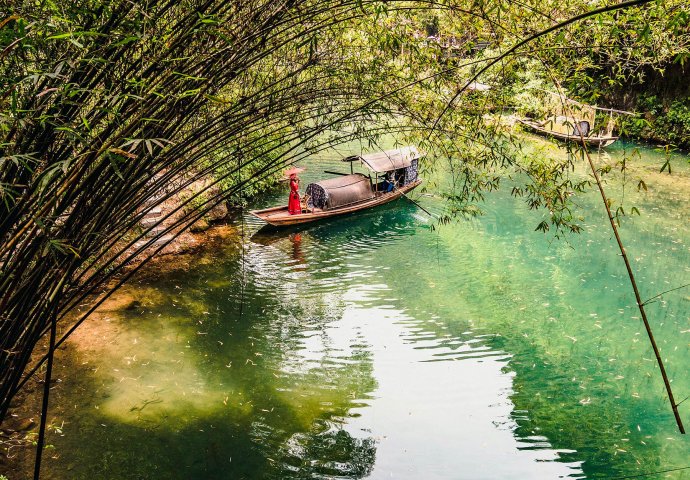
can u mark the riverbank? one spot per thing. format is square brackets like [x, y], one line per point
[661, 123]
[181, 250]
[662, 99]
[19, 431]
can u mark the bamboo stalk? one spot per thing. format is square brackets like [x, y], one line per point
[633, 283]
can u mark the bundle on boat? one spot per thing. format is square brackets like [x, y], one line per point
[339, 191]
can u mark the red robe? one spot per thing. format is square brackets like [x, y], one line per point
[294, 206]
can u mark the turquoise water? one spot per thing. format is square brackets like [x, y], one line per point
[374, 346]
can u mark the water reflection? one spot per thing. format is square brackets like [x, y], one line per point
[297, 255]
[332, 454]
[421, 414]
[358, 233]
[329, 253]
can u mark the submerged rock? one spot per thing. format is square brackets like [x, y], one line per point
[22, 426]
[200, 226]
[133, 305]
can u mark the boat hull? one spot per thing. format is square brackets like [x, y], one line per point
[279, 216]
[599, 142]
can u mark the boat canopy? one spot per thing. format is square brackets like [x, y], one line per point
[387, 161]
[339, 191]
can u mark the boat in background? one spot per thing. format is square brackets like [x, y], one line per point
[573, 121]
[348, 193]
[599, 141]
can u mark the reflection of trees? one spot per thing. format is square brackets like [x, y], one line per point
[335, 453]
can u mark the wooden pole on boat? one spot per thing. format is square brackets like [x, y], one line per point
[424, 209]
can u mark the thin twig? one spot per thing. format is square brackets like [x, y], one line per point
[667, 291]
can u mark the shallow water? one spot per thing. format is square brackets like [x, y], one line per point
[375, 347]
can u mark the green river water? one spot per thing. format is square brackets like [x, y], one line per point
[374, 346]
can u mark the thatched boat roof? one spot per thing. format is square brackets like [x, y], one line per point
[380, 162]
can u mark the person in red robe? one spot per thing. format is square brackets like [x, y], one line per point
[294, 206]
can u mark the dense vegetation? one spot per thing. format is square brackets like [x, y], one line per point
[654, 83]
[108, 107]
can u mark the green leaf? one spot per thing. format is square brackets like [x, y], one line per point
[60, 35]
[542, 227]
[113, 163]
[126, 41]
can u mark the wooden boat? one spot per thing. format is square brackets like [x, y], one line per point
[572, 121]
[598, 141]
[354, 192]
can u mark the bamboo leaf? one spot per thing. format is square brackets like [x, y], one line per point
[113, 163]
